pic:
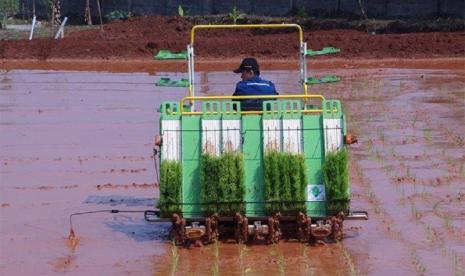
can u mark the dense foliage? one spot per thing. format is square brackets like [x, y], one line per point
[222, 183]
[9, 7]
[285, 182]
[336, 179]
[170, 188]
[118, 15]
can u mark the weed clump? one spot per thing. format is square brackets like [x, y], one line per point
[170, 188]
[336, 179]
[222, 183]
[285, 177]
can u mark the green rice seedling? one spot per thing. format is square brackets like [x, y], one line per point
[430, 237]
[309, 269]
[458, 266]
[371, 195]
[242, 256]
[378, 156]
[282, 262]
[352, 270]
[443, 249]
[369, 145]
[382, 137]
[285, 182]
[336, 179]
[427, 135]
[209, 171]
[414, 120]
[408, 172]
[415, 213]
[275, 252]
[174, 258]
[402, 194]
[216, 266]
[447, 222]
[420, 268]
[451, 161]
[298, 178]
[170, 188]
[359, 172]
[389, 170]
[222, 183]
[271, 180]
[424, 194]
[231, 183]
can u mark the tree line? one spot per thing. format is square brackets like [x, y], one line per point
[10, 8]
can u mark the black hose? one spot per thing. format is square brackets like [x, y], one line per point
[111, 211]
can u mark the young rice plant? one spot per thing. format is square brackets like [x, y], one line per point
[170, 188]
[222, 183]
[285, 178]
[336, 179]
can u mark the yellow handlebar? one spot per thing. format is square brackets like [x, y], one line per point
[301, 34]
[264, 97]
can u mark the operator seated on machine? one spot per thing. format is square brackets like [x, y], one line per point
[252, 85]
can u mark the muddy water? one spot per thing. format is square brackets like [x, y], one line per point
[79, 141]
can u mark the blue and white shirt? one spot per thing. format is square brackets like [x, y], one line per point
[251, 87]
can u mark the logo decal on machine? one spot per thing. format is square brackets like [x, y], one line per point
[315, 192]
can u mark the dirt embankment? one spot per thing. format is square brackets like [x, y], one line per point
[141, 37]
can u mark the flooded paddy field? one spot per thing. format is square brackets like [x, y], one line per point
[75, 141]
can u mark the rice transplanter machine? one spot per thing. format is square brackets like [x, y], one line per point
[253, 175]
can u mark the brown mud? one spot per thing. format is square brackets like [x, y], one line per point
[208, 64]
[80, 141]
[142, 37]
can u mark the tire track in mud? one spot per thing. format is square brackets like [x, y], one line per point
[383, 174]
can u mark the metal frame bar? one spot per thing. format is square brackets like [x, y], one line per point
[247, 26]
[353, 215]
[191, 75]
[303, 62]
[190, 52]
[269, 97]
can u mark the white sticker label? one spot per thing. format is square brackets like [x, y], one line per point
[316, 192]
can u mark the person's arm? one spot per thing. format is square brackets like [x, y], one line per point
[236, 92]
[239, 91]
[274, 88]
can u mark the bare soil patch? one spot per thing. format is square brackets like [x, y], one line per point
[141, 37]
